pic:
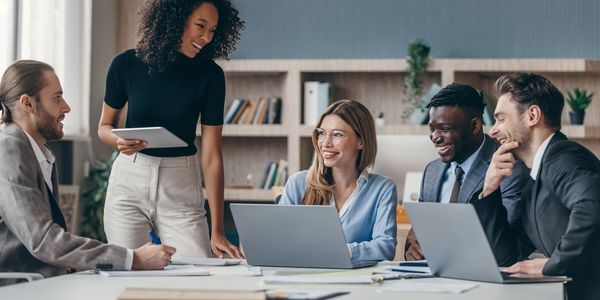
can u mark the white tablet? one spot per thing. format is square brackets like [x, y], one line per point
[157, 137]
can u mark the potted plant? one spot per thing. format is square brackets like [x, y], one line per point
[418, 60]
[92, 199]
[578, 100]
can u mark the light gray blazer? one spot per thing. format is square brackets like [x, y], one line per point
[31, 236]
[511, 187]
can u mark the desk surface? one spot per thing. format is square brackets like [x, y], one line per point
[90, 286]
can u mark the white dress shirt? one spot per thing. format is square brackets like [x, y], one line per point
[46, 160]
[537, 159]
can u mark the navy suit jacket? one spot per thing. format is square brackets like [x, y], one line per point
[472, 184]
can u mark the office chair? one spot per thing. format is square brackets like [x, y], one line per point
[18, 275]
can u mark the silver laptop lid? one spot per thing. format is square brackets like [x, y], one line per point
[453, 241]
[291, 236]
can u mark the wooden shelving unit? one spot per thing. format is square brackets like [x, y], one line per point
[378, 83]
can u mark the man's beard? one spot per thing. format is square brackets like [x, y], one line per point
[46, 125]
[522, 137]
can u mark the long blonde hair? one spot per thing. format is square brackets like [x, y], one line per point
[360, 120]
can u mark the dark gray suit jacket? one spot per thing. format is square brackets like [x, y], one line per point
[560, 218]
[32, 231]
[511, 187]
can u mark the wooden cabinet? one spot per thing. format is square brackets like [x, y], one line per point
[378, 83]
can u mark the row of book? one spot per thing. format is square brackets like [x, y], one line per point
[275, 174]
[316, 100]
[265, 110]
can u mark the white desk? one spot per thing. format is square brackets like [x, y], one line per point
[90, 286]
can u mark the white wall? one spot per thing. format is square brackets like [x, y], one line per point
[104, 40]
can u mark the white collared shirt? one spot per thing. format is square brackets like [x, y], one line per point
[537, 159]
[46, 160]
[449, 175]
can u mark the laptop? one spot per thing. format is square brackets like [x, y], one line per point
[305, 236]
[455, 244]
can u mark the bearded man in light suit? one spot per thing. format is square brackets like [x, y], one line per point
[32, 227]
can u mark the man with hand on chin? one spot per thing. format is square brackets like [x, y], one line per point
[456, 130]
[560, 213]
[32, 227]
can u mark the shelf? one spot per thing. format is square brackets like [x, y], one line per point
[269, 66]
[410, 129]
[273, 130]
[581, 131]
[378, 84]
[515, 65]
[247, 195]
[251, 195]
[571, 131]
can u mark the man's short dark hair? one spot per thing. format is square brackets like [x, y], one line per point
[460, 95]
[527, 89]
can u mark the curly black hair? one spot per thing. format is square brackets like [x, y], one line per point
[461, 95]
[160, 31]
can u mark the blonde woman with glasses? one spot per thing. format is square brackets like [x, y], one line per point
[345, 148]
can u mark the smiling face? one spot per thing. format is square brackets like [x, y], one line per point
[453, 133]
[511, 126]
[199, 29]
[337, 143]
[50, 109]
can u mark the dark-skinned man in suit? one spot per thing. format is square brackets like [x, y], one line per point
[456, 131]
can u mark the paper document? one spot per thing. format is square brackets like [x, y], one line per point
[364, 279]
[168, 294]
[204, 261]
[428, 287]
[186, 270]
[173, 294]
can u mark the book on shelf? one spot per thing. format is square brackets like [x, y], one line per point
[316, 100]
[233, 109]
[282, 174]
[275, 174]
[274, 110]
[271, 176]
[264, 110]
[261, 110]
[248, 115]
[238, 115]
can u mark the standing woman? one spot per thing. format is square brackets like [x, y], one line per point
[170, 80]
[345, 148]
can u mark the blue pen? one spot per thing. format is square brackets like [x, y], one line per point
[154, 237]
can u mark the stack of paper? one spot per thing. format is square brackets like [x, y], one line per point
[362, 279]
[428, 287]
[204, 261]
[170, 270]
[168, 294]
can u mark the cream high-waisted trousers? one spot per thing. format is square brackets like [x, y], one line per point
[163, 193]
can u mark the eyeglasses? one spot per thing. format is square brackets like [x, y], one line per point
[336, 135]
